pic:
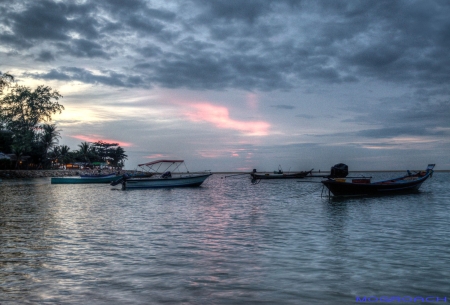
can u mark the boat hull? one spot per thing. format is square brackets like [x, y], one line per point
[280, 176]
[81, 180]
[396, 186]
[98, 176]
[190, 181]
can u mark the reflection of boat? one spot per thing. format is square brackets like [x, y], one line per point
[165, 174]
[84, 180]
[363, 186]
[280, 174]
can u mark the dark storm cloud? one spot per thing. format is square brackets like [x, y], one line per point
[84, 48]
[389, 132]
[45, 56]
[252, 44]
[42, 21]
[108, 77]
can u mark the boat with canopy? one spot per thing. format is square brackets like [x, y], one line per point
[164, 174]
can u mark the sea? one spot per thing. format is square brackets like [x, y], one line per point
[226, 242]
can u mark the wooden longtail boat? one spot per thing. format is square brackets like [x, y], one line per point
[279, 175]
[362, 186]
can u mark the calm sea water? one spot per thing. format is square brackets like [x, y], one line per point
[227, 242]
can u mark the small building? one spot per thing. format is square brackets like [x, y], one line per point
[72, 166]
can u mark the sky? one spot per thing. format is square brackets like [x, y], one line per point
[233, 85]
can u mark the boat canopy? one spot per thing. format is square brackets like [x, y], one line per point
[161, 161]
[164, 165]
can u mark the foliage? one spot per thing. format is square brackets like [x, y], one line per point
[23, 131]
[65, 154]
[101, 151]
[22, 109]
[85, 152]
[117, 157]
[5, 81]
[5, 163]
[47, 140]
[6, 140]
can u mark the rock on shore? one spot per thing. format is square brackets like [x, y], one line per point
[21, 174]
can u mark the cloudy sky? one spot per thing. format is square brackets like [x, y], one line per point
[233, 85]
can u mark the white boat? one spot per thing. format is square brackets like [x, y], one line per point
[166, 174]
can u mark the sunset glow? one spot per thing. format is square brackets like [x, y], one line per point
[219, 116]
[96, 138]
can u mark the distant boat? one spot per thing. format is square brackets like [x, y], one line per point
[362, 186]
[165, 174]
[84, 179]
[279, 174]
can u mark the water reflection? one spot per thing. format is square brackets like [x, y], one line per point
[226, 242]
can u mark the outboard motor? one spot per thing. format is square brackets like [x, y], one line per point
[339, 171]
[167, 174]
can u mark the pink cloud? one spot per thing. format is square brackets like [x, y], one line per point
[220, 117]
[96, 138]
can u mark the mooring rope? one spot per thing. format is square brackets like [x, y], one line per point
[311, 192]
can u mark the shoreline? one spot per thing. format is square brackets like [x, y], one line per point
[44, 173]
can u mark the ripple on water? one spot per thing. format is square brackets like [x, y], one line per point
[226, 242]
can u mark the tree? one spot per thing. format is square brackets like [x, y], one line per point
[22, 109]
[6, 136]
[48, 139]
[55, 154]
[65, 155]
[117, 157]
[85, 151]
[104, 149]
[5, 81]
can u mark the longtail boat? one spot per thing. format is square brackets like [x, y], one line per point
[279, 174]
[363, 186]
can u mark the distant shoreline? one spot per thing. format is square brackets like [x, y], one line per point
[31, 174]
[327, 172]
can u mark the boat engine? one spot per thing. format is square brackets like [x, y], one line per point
[339, 171]
[167, 174]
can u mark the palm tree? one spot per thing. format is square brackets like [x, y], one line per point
[48, 139]
[85, 151]
[117, 156]
[55, 154]
[64, 154]
[19, 150]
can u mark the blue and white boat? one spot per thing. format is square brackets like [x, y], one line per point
[85, 179]
[166, 174]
